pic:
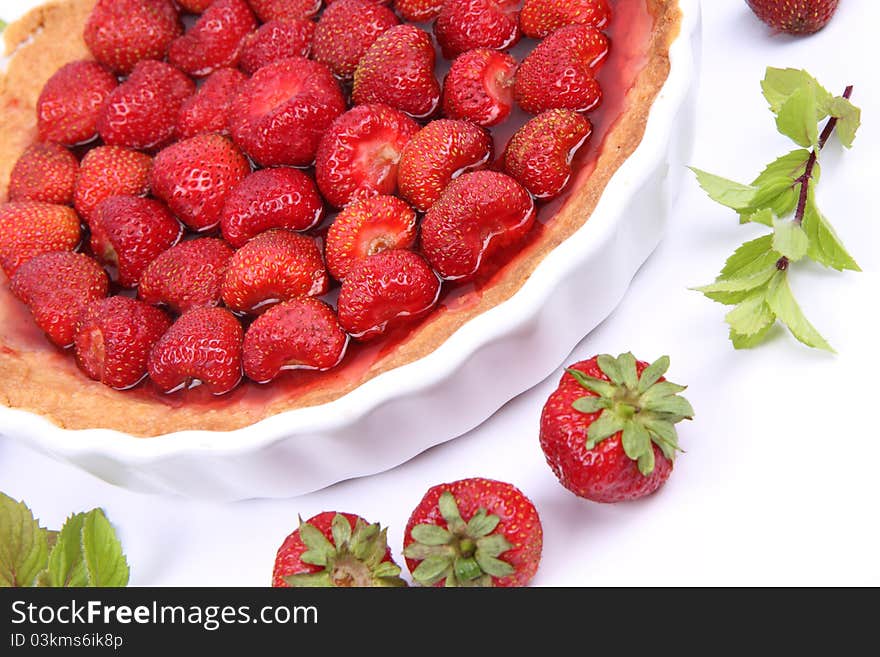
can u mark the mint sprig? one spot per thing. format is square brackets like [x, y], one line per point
[86, 552]
[755, 279]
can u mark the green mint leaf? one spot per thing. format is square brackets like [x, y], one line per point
[726, 192]
[748, 341]
[779, 84]
[105, 562]
[24, 547]
[777, 189]
[797, 118]
[825, 246]
[783, 304]
[849, 118]
[764, 216]
[745, 284]
[790, 239]
[67, 565]
[752, 257]
[751, 316]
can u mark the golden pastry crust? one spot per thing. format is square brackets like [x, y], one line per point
[37, 378]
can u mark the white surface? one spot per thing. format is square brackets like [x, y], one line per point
[778, 482]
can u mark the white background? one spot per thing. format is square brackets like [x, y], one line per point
[779, 484]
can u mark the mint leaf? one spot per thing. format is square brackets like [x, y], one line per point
[748, 341]
[726, 192]
[102, 552]
[764, 216]
[777, 187]
[782, 302]
[66, 564]
[750, 258]
[849, 118]
[751, 316]
[789, 239]
[797, 118]
[24, 546]
[779, 84]
[825, 246]
[747, 283]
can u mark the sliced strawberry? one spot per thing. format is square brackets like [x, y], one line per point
[114, 338]
[56, 286]
[439, 152]
[187, 275]
[476, 214]
[70, 103]
[44, 172]
[282, 111]
[270, 198]
[571, 53]
[208, 110]
[108, 171]
[280, 10]
[398, 70]
[384, 291]
[346, 31]
[194, 177]
[216, 39]
[365, 228]
[463, 25]
[121, 33]
[301, 334]
[358, 155]
[540, 17]
[418, 11]
[203, 347]
[142, 112]
[275, 266]
[539, 154]
[479, 87]
[277, 40]
[29, 228]
[128, 232]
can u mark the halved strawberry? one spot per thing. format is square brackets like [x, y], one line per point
[282, 111]
[142, 112]
[121, 33]
[194, 177]
[384, 291]
[463, 25]
[275, 266]
[367, 227]
[539, 154]
[418, 11]
[277, 40]
[188, 275]
[539, 18]
[216, 39]
[29, 228]
[358, 155]
[71, 101]
[203, 347]
[573, 54]
[44, 172]
[208, 109]
[300, 334]
[56, 286]
[398, 70]
[280, 10]
[114, 338]
[108, 171]
[479, 87]
[439, 152]
[128, 232]
[270, 198]
[478, 213]
[346, 31]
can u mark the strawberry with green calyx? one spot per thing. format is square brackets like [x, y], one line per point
[608, 431]
[336, 550]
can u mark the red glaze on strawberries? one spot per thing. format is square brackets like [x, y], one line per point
[216, 40]
[29, 228]
[346, 31]
[463, 25]
[208, 109]
[70, 104]
[277, 40]
[44, 172]
[479, 87]
[108, 171]
[539, 18]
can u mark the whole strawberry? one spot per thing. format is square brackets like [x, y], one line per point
[29, 228]
[216, 40]
[55, 287]
[280, 10]
[336, 549]
[70, 103]
[794, 16]
[474, 532]
[121, 33]
[114, 337]
[44, 172]
[108, 171]
[463, 25]
[208, 109]
[540, 17]
[479, 87]
[346, 31]
[608, 431]
[277, 40]
[418, 11]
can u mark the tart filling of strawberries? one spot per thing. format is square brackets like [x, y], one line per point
[235, 208]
